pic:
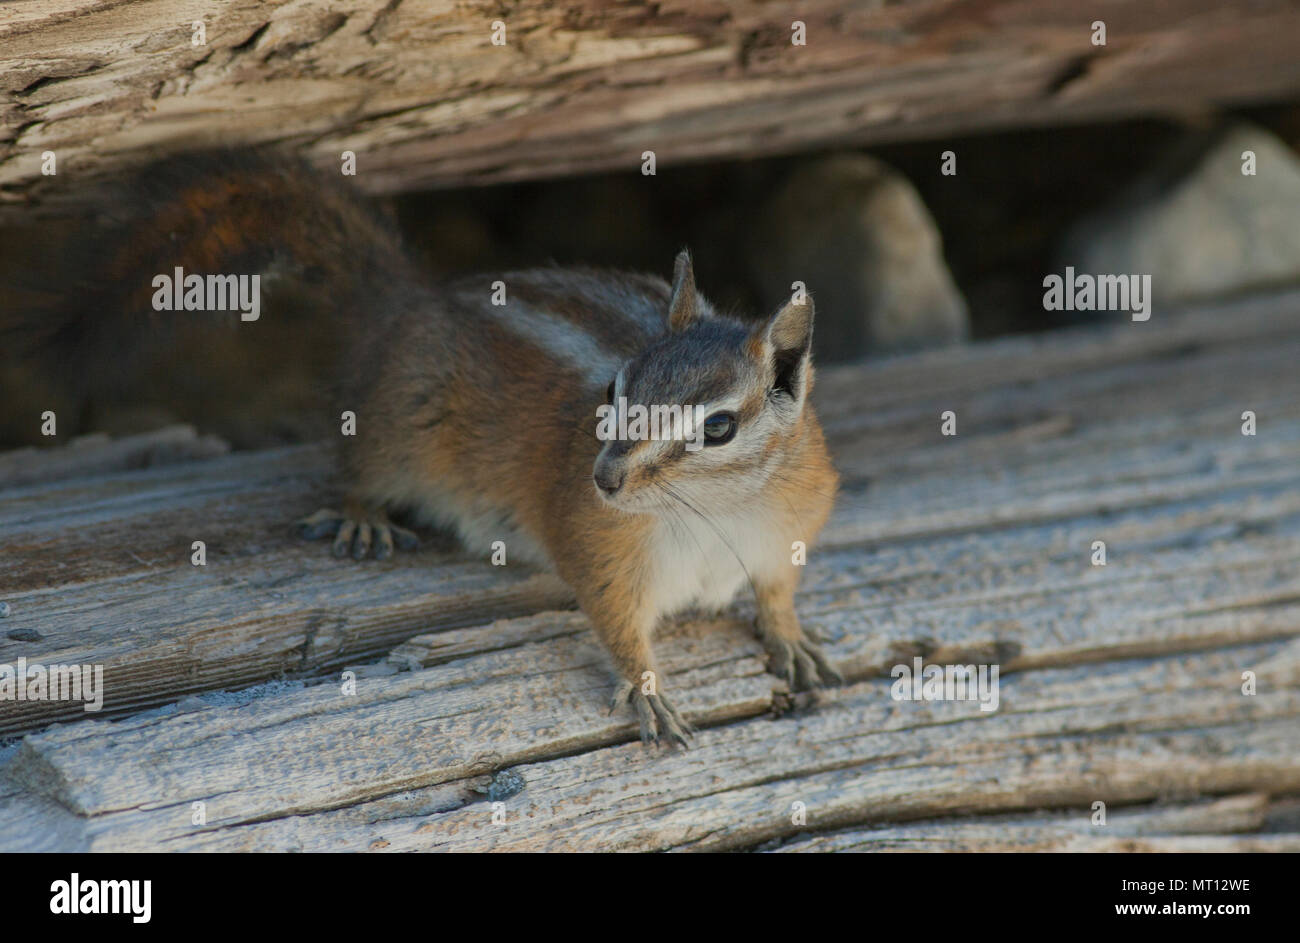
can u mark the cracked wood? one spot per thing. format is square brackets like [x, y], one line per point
[418, 91]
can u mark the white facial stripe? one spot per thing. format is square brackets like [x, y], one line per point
[730, 404]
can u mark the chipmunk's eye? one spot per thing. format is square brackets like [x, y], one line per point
[719, 428]
[609, 393]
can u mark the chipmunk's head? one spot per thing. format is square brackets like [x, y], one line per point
[702, 418]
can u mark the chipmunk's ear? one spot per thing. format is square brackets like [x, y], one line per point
[684, 309]
[785, 341]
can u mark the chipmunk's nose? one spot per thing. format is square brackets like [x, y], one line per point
[609, 474]
[608, 478]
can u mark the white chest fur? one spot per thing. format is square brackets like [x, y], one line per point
[704, 564]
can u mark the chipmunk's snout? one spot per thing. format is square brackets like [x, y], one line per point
[609, 474]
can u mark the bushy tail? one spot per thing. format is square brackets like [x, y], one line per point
[96, 320]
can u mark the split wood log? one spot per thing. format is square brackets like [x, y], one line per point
[409, 762]
[418, 90]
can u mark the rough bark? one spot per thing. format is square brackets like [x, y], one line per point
[418, 91]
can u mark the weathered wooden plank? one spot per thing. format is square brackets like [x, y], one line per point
[1147, 454]
[1053, 748]
[1014, 361]
[527, 700]
[392, 768]
[1171, 827]
[420, 92]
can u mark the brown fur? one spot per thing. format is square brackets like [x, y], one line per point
[507, 425]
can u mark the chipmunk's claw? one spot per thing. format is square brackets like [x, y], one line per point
[659, 719]
[357, 534]
[801, 663]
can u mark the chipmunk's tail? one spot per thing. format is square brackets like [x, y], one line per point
[200, 271]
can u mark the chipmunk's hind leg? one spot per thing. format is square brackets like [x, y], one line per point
[357, 529]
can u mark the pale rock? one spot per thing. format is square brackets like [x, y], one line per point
[856, 232]
[1196, 224]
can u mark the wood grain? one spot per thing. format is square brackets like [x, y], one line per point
[419, 92]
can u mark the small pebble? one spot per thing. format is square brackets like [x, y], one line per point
[4, 609]
[24, 635]
[505, 784]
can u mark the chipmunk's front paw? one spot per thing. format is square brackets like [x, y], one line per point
[659, 719]
[356, 531]
[799, 661]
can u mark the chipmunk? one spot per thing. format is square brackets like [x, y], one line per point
[482, 417]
